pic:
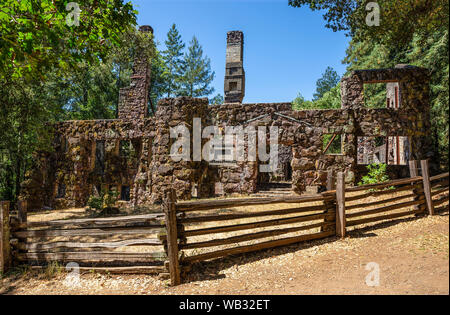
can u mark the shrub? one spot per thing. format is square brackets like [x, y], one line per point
[376, 174]
[110, 198]
[95, 202]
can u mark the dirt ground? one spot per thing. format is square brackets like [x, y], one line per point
[412, 255]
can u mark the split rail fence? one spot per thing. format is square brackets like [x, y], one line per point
[191, 232]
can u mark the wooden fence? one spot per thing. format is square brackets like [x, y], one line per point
[90, 242]
[204, 230]
[191, 232]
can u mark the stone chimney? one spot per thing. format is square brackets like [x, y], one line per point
[133, 100]
[234, 85]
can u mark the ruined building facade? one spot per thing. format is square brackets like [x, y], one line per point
[131, 154]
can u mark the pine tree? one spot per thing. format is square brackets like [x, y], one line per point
[329, 80]
[173, 59]
[197, 74]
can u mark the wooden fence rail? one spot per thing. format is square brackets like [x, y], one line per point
[190, 232]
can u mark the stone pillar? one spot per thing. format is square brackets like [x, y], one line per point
[352, 92]
[166, 172]
[234, 85]
[415, 99]
[133, 100]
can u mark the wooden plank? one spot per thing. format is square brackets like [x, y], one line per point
[224, 217]
[36, 247]
[440, 201]
[149, 219]
[172, 238]
[426, 186]
[440, 176]
[377, 193]
[85, 232]
[395, 182]
[5, 249]
[440, 183]
[93, 257]
[340, 205]
[329, 144]
[252, 236]
[117, 270]
[439, 191]
[378, 202]
[253, 225]
[380, 218]
[239, 202]
[384, 209]
[256, 247]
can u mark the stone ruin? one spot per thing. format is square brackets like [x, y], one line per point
[131, 153]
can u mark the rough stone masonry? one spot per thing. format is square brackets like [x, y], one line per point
[130, 154]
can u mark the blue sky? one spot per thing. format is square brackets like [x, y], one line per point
[285, 49]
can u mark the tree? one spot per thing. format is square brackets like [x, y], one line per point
[330, 99]
[173, 59]
[399, 20]
[329, 80]
[197, 74]
[41, 35]
[299, 103]
[41, 58]
[216, 100]
[158, 80]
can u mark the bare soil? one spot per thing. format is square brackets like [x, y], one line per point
[412, 254]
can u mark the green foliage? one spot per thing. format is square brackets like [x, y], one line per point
[95, 202]
[105, 200]
[329, 100]
[216, 100]
[335, 147]
[197, 75]
[110, 198]
[328, 81]
[376, 174]
[174, 62]
[399, 20]
[36, 37]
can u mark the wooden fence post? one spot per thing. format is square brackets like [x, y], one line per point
[330, 181]
[427, 185]
[22, 210]
[340, 205]
[414, 172]
[413, 168]
[330, 205]
[5, 247]
[169, 207]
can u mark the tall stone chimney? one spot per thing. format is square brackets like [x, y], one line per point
[234, 85]
[133, 100]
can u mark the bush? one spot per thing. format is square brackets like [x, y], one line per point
[104, 200]
[95, 202]
[376, 174]
[109, 199]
